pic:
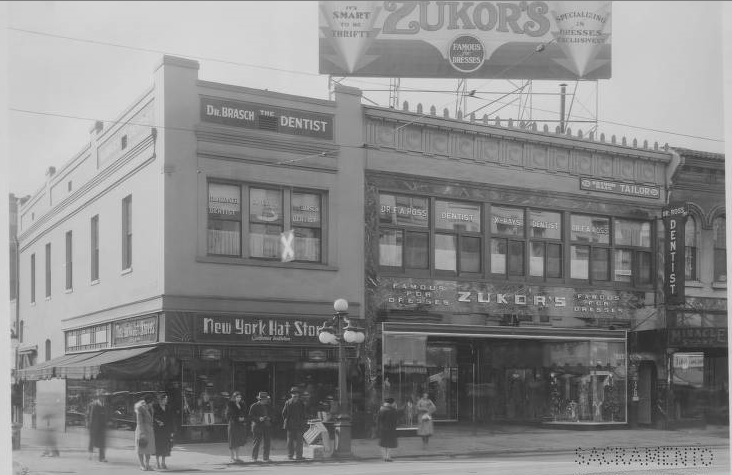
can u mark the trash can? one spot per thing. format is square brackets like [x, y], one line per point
[16, 435]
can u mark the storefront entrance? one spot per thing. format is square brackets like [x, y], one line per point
[484, 378]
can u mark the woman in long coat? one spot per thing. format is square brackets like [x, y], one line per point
[163, 427]
[425, 428]
[387, 428]
[144, 432]
[236, 416]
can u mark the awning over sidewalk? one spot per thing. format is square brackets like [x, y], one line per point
[124, 364]
[479, 331]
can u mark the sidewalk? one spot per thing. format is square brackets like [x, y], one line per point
[448, 441]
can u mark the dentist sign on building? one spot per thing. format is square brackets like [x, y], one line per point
[528, 40]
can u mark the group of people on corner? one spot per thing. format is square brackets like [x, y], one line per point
[258, 418]
[155, 426]
[387, 424]
[154, 431]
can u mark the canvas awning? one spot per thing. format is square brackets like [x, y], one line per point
[123, 364]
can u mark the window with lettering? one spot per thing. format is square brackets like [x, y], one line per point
[690, 248]
[403, 232]
[306, 225]
[507, 241]
[590, 248]
[266, 222]
[457, 237]
[224, 220]
[545, 247]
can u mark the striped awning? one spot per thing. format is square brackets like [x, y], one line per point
[90, 365]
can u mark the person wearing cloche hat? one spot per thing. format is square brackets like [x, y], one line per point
[261, 413]
[295, 420]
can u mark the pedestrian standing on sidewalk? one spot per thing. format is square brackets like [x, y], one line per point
[50, 421]
[260, 413]
[236, 416]
[295, 420]
[425, 427]
[387, 422]
[96, 420]
[163, 428]
[144, 432]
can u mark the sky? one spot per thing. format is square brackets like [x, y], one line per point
[667, 70]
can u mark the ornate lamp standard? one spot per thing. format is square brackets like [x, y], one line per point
[339, 331]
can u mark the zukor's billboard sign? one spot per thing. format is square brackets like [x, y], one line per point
[517, 40]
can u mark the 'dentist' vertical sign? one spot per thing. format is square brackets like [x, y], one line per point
[674, 220]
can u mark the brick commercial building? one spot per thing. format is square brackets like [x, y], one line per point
[196, 245]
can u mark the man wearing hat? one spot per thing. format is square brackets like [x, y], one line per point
[295, 419]
[260, 413]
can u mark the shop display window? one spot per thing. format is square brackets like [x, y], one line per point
[507, 380]
[205, 392]
[412, 366]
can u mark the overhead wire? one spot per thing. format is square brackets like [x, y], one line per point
[539, 48]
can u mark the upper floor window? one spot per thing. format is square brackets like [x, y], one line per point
[127, 232]
[457, 237]
[720, 249]
[94, 248]
[272, 212]
[545, 251]
[690, 248]
[404, 231]
[224, 219]
[69, 261]
[33, 278]
[48, 269]
[590, 249]
[632, 251]
[508, 241]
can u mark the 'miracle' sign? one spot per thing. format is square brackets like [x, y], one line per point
[674, 220]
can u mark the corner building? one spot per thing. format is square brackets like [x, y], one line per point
[152, 260]
[498, 269]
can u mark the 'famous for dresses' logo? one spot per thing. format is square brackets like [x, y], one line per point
[466, 53]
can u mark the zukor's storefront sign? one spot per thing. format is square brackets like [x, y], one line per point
[511, 39]
[255, 330]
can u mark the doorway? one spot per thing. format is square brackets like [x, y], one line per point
[646, 391]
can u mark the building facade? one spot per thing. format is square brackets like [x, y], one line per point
[196, 245]
[682, 363]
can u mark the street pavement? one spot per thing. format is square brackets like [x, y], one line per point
[454, 443]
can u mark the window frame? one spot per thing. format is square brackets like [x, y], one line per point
[546, 242]
[507, 240]
[691, 254]
[245, 223]
[591, 246]
[460, 237]
[404, 229]
[94, 248]
[635, 252]
[33, 278]
[127, 233]
[719, 249]
[240, 220]
[69, 260]
[48, 270]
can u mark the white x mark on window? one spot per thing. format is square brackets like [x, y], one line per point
[286, 240]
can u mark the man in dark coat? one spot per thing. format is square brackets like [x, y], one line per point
[97, 424]
[295, 419]
[260, 413]
[388, 416]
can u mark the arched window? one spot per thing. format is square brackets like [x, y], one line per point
[48, 349]
[690, 248]
[720, 249]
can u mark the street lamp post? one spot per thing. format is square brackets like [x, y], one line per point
[339, 331]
